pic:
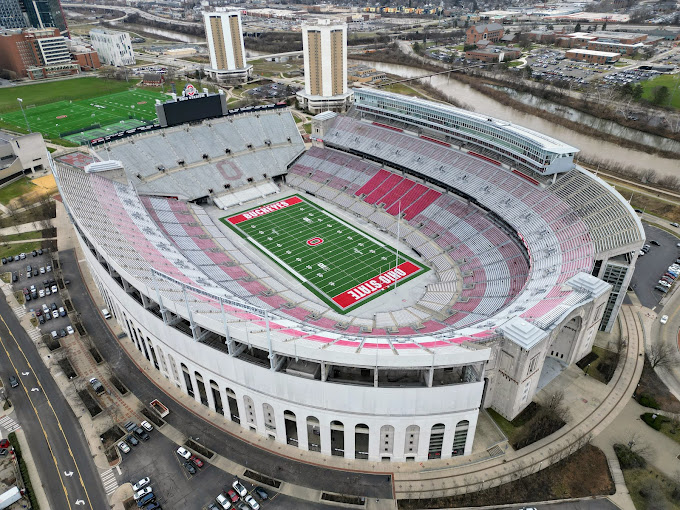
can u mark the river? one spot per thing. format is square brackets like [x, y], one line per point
[589, 147]
[168, 34]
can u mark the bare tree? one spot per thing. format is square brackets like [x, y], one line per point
[662, 355]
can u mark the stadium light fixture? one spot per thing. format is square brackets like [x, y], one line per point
[21, 104]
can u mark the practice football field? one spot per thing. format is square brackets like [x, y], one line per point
[340, 263]
[66, 117]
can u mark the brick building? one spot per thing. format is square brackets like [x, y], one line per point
[36, 53]
[491, 32]
[493, 54]
[592, 56]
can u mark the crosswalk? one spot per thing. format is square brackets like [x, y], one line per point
[35, 334]
[19, 311]
[109, 481]
[9, 424]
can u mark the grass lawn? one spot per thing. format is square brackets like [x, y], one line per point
[652, 205]
[16, 248]
[603, 357]
[653, 484]
[672, 81]
[24, 236]
[307, 127]
[73, 89]
[515, 63]
[16, 189]
[341, 264]
[654, 389]
[663, 425]
[62, 118]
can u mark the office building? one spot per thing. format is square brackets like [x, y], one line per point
[36, 53]
[225, 44]
[325, 52]
[593, 56]
[114, 48]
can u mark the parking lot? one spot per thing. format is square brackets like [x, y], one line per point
[651, 266]
[550, 65]
[175, 488]
[40, 288]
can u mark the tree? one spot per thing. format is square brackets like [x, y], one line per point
[661, 95]
[416, 47]
[637, 92]
[577, 28]
[604, 26]
[662, 355]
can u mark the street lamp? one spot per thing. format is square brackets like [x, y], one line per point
[21, 104]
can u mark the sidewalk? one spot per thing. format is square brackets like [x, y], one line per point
[25, 227]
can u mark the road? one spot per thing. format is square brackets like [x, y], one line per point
[218, 440]
[131, 10]
[67, 472]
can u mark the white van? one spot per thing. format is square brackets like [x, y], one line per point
[106, 313]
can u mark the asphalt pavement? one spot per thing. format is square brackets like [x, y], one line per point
[62, 457]
[653, 265]
[229, 446]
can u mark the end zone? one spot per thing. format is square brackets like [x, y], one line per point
[378, 283]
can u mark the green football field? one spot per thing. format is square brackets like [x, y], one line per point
[340, 263]
[62, 118]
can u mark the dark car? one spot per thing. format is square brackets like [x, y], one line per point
[62, 333]
[13, 381]
[141, 434]
[41, 319]
[189, 467]
[40, 252]
[4, 260]
[261, 493]
[153, 506]
[132, 440]
[10, 259]
[661, 288]
[15, 277]
[53, 306]
[34, 253]
[655, 243]
[28, 297]
[146, 500]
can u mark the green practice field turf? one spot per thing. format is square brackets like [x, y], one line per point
[62, 118]
[341, 264]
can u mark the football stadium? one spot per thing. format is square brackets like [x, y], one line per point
[365, 295]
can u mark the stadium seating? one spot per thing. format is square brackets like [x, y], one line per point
[223, 154]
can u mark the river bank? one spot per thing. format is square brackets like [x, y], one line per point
[593, 148]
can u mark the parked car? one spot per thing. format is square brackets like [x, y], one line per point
[189, 467]
[239, 488]
[252, 502]
[262, 494]
[142, 483]
[141, 434]
[55, 314]
[69, 330]
[13, 381]
[675, 225]
[147, 426]
[62, 311]
[197, 462]
[123, 447]
[223, 501]
[146, 499]
[142, 492]
[184, 453]
[655, 243]
[232, 495]
[664, 319]
[132, 440]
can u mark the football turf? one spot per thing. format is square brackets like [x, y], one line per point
[61, 118]
[340, 263]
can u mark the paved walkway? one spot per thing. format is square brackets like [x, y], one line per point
[25, 227]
